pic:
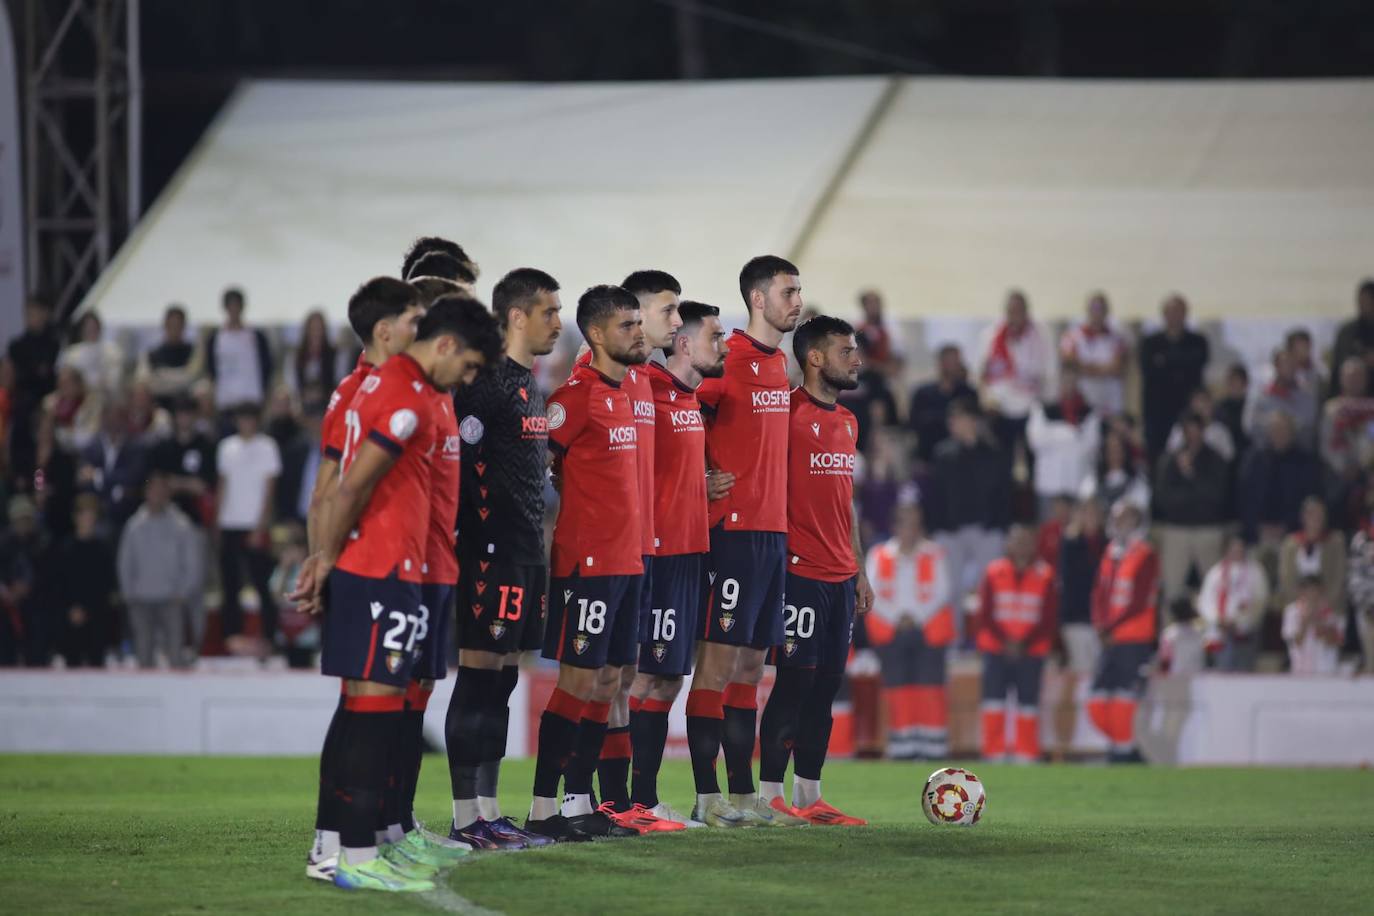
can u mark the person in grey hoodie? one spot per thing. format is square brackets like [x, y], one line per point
[159, 571]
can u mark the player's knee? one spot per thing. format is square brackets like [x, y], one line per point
[371, 689]
[627, 677]
[749, 669]
[642, 687]
[665, 689]
[478, 658]
[578, 682]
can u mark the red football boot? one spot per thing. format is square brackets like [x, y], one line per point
[821, 814]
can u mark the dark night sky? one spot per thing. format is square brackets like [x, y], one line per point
[194, 52]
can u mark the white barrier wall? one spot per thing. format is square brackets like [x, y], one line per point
[271, 713]
[1273, 720]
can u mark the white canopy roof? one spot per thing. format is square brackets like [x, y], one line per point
[1253, 199]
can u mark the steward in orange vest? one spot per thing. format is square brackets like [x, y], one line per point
[911, 627]
[1017, 610]
[1124, 616]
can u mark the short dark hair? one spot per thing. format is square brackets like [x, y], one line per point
[814, 333]
[465, 318]
[1366, 287]
[175, 308]
[692, 314]
[651, 281]
[963, 407]
[520, 289]
[1238, 370]
[600, 302]
[424, 245]
[1192, 418]
[234, 293]
[377, 300]
[1297, 334]
[1183, 610]
[444, 266]
[760, 271]
[247, 409]
[432, 288]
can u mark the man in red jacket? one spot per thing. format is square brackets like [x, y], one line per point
[1124, 617]
[1017, 607]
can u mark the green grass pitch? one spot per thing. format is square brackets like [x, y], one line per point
[206, 835]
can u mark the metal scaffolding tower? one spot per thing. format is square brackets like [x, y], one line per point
[82, 128]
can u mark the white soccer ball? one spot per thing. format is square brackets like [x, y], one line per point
[953, 796]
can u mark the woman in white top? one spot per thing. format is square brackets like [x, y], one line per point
[1231, 605]
[100, 362]
[1116, 476]
[1313, 630]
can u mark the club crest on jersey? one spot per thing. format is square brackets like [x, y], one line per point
[789, 646]
[403, 424]
[557, 415]
[471, 430]
[580, 643]
[370, 384]
[726, 621]
[498, 629]
[660, 650]
[816, 428]
[393, 662]
[376, 609]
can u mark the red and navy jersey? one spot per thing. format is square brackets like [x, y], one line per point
[746, 414]
[636, 385]
[441, 562]
[505, 433]
[393, 409]
[679, 467]
[332, 426]
[820, 490]
[592, 431]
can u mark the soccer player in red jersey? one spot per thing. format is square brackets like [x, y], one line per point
[746, 412]
[593, 625]
[658, 293]
[675, 593]
[383, 313]
[372, 551]
[826, 583]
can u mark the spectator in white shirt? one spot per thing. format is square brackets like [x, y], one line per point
[1231, 604]
[1181, 645]
[1015, 361]
[249, 464]
[1313, 630]
[100, 361]
[1099, 353]
[1064, 436]
[238, 358]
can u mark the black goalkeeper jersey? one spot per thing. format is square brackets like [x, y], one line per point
[504, 466]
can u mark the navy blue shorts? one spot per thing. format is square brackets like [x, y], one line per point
[674, 606]
[1120, 667]
[1001, 673]
[594, 621]
[817, 624]
[436, 610]
[502, 605]
[746, 577]
[374, 629]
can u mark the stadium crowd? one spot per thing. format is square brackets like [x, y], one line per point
[144, 490]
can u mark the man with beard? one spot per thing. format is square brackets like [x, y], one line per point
[593, 626]
[503, 577]
[657, 292]
[696, 352]
[746, 411]
[826, 583]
